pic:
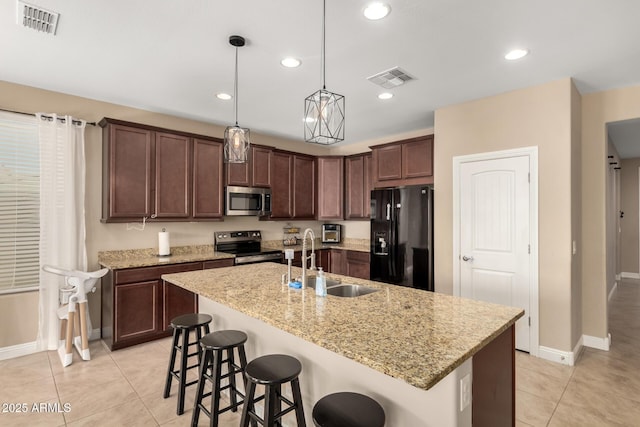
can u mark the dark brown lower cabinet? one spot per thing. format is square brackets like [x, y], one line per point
[494, 383]
[137, 311]
[176, 302]
[350, 263]
[357, 264]
[137, 306]
[338, 261]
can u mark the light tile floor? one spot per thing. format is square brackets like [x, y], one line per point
[124, 388]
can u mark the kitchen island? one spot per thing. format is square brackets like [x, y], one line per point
[406, 348]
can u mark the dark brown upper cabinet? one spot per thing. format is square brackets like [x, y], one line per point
[255, 173]
[357, 185]
[208, 194]
[159, 174]
[172, 175]
[281, 188]
[407, 162]
[126, 169]
[304, 186]
[293, 185]
[330, 187]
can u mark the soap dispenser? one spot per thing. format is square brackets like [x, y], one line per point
[321, 283]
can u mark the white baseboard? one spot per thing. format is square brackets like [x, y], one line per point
[563, 357]
[596, 342]
[18, 350]
[626, 275]
[32, 347]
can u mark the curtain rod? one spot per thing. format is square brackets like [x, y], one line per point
[77, 122]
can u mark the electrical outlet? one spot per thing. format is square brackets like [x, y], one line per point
[465, 392]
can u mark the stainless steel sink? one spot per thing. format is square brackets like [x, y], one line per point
[349, 290]
[311, 282]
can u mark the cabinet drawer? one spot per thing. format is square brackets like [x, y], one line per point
[140, 274]
[358, 256]
[219, 263]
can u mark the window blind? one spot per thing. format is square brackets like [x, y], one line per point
[19, 203]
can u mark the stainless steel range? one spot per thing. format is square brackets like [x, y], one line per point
[246, 246]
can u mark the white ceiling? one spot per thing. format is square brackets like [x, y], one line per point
[625, 135]
[173, 56]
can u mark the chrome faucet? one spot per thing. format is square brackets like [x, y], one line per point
[309, 232]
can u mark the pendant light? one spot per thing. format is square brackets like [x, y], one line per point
[236, 138]
[324, 110]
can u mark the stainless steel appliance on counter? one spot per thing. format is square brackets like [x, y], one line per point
[246, 246]
[247, 201]
[402, 236]
[331, 233]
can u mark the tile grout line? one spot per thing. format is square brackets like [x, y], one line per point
[131, 385]
[573, 372]
[55, 384]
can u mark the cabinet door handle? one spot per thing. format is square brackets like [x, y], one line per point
[388, 211]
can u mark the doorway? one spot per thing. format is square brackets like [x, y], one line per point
[495, 234]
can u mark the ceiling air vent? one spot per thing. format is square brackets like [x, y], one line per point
[37, 18]
[391, 78]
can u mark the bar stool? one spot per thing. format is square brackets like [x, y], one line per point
[215, 345]
[272, 371]
[347, 409]
[182, 326]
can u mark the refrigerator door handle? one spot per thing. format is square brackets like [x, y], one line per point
[388, 211]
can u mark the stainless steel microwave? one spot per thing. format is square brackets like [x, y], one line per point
[247, 201]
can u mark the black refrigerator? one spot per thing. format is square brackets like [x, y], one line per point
[402, 236]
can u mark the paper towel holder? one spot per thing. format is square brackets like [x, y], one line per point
[159, 255]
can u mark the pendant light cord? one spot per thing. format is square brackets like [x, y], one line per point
[235, 88]
[324, 12]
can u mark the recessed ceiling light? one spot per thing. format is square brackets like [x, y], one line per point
[223, 96]
[516, 54]
[385, 95]
[291, 62]
[376, 11]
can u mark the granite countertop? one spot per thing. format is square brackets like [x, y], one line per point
[413, 335]
[132, 258]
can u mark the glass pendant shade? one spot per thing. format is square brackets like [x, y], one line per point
[324, 117]
[236, 144]
[236, 139]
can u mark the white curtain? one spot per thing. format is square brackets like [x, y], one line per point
[62, 225]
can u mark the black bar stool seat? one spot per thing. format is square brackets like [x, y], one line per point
[182, 326]
[214, 346]
[272, 371]
[347, 409]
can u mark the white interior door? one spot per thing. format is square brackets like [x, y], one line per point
[494, 235]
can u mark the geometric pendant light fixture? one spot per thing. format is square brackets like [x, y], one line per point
[236, 138]
[324, 110]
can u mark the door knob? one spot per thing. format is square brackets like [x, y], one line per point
[467, 258]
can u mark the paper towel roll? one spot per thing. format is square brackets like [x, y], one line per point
[164, 248]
